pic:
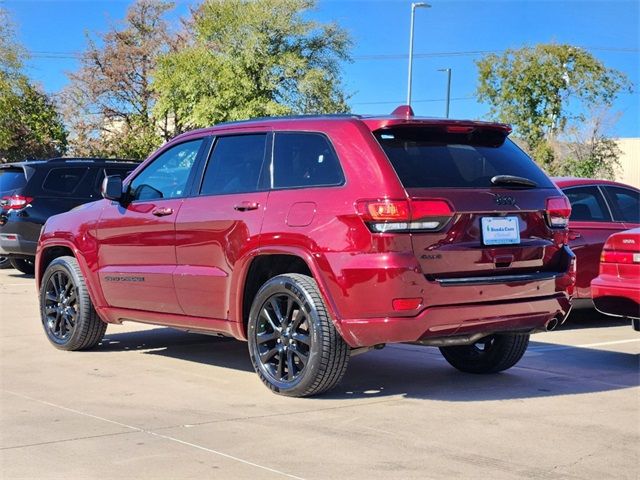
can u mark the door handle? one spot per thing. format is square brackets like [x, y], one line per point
[574, 235]
[244, 206]
[162, 212]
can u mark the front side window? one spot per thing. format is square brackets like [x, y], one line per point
[587, 205]
[167, 176]
[64, 180]
[302, 159]
[625, 203]
[235, 165]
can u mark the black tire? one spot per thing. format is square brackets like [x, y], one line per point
[4, 263]
[24, 265]
[295, 348]
[491, 354]
[68, 316]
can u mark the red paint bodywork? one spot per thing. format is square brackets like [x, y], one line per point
[587, 239]
[616, 290]
[195, 261]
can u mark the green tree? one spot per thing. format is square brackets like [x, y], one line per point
[30, 126]
[109, 101]
[253, 58]
[541, 90]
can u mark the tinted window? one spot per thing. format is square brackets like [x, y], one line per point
[303, 160]
[64, 180]
[167, 175]
[235, 165]
[122, 172]
[12, 179]
[587, 204]
[625, 203]
[430, 157]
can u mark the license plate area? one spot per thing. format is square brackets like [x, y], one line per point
[500, 230]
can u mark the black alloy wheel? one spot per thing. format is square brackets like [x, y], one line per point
[60, 307]
[283, 338]
[294, 346]
[68, 316]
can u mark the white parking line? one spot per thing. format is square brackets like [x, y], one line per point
[166, 437]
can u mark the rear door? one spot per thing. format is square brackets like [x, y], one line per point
[220, 223]
[497, 226]
[590, 225]
[136, 238]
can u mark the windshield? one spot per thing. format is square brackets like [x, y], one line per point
[425, 157]
[12, 179]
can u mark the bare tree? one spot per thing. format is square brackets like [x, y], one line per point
[109, 101]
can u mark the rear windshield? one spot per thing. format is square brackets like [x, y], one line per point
[425, 157]
[12, 179]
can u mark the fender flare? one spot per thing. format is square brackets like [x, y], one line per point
[95, 293]
[317, 264]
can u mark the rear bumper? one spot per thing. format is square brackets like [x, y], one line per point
[524, 315]
[612, 296]
[18, 238]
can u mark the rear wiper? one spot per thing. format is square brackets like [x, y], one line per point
[512, 180]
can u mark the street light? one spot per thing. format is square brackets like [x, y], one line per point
[413, 13]
[448, 70]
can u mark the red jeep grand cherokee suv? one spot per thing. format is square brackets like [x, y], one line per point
[315, 238]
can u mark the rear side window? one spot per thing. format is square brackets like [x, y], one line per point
[12, 179]
[587, 204]
[625, 203]
[425, 157]
[235, 165]
[304, 160]
[64, 180]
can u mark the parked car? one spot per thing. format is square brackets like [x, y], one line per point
[317, 238]
[599, 208]
[616, 291]
[31, 192]
[4, 262]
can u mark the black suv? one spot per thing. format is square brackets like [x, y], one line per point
[33, 191]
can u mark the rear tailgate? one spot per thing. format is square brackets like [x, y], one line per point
[498, 196]
[460, 249]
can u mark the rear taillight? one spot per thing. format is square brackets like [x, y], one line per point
[404, 215]
[15, 202]
[613, 256]
[558, 212]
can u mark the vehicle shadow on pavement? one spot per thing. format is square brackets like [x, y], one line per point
[21, 275]
[591, 318]
[192, 347]
[546, 370]
[413, 371]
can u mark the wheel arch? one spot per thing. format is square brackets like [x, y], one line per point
[267, 263]
[48, 252]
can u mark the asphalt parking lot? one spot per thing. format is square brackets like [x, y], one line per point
[157, 403]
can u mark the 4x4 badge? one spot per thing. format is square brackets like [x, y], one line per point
[505, 200]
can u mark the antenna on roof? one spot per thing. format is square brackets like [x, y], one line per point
[403, 111]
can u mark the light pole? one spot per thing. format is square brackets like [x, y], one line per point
[448, 70]
[413, 14]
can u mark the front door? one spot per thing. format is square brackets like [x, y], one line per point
[136, 238]
[221, 223]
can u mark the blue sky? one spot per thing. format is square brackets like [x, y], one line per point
[445, 34]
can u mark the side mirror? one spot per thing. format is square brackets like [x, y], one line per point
[112, 188]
